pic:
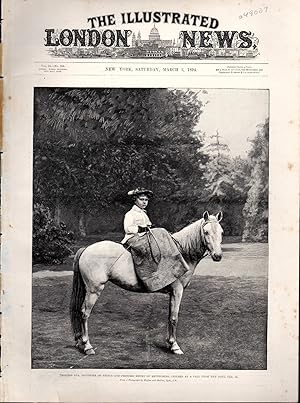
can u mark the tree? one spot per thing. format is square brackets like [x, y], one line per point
[217, 171]
[217, 148]
[91, 145]
[240, 172]
[218, 179]
[256, 207]
[225, 183]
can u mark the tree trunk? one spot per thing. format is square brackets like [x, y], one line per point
[57, 213]
[82, 225]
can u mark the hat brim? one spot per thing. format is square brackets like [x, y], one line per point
[136, 192]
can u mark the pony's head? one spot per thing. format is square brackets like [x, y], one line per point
[212, 234]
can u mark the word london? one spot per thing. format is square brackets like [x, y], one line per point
[121, 38]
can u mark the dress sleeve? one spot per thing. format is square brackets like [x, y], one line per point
[130, 227]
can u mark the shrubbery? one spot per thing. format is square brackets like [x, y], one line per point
[51, 242]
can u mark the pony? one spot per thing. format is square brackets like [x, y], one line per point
[107, 261]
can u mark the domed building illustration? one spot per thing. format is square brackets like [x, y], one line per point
[153, 39]
[154, 34]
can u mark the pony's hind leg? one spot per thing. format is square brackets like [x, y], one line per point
[87, 306]
[175, 300]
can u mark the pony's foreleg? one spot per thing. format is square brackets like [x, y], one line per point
[87, 306]
[175, 299]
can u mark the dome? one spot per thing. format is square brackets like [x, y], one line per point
[154, 34]
[154, 30]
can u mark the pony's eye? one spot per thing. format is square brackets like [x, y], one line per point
[206, 232]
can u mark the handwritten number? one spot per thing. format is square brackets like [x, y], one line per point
[255, 12]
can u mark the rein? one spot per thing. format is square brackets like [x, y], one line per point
[206, 253]
[125, 249]
[128, 247]
[150, 246]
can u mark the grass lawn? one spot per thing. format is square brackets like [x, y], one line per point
[222, 323]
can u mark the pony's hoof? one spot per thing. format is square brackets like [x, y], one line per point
[177, 351]
[90, 351]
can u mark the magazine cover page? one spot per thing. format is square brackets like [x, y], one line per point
[150, 180]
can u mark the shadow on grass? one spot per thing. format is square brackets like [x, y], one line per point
[162, 347]
[222, 325]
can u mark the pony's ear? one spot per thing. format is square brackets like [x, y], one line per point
[219, 216]
[206, 215]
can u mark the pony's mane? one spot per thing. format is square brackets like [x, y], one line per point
[191, 241]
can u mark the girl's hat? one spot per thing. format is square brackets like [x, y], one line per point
[140, 191]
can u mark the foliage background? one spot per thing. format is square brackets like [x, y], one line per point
[92, 145]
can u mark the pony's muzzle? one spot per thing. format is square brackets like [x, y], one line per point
[216, 257]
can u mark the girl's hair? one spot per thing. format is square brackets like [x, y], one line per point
[137, 196]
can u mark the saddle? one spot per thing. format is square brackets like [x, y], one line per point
[157, 259]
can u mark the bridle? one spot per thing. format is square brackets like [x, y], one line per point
[207, 252]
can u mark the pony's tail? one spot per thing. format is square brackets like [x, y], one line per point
[77, 297]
